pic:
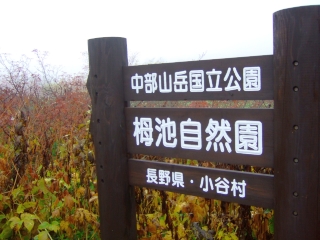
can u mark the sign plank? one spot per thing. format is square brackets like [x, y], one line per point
[235, 136]
[232, 186]
[245, 78]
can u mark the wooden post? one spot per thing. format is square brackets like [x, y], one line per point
[107, 56]
[297, 121]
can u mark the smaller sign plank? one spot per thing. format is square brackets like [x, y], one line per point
[244, 78]
[232, 186]
[235, 136]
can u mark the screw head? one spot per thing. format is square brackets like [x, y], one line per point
[296, 89]
[295, 160]
[295, 63]
[295, 127]
[295, 213]
[295, 194]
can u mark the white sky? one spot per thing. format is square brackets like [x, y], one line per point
[171, 30]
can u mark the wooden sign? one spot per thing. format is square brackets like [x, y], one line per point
[289, 134]
[245, 78]
[235, 136]
[241, 187]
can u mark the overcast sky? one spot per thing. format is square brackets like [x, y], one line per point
[169, 30]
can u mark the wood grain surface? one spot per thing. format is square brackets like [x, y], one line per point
[264, 62]
[296, 140]
[258, 190]
[203, 115]
[107, 56]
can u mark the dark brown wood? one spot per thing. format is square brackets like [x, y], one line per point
[265, 116]
[107, 56]
[297, 121]
[264, 62]
[258, 189]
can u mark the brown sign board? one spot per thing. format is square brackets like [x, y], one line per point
[234, 136]
[231, 186]
[244, 78]
[292, 191]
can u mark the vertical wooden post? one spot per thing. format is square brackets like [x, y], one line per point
[107, 56]
[297, 122]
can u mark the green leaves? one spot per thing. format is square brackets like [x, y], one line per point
[43, 225]
[28, 223]
[29, 204]
[2, 216]
[6, 233]
[15, 223]
[25, 205]
[271, 225]
[20, 208]
[42, 236]
[54, 226]
[17, 192]
[42, 186]
[26, 219]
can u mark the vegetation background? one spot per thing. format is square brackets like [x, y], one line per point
[47, 169]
